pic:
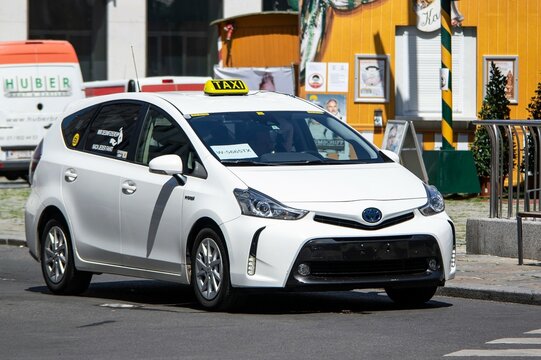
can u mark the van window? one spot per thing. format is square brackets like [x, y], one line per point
[112, 129]
[75, 125]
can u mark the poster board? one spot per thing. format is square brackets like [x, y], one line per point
[280, 79]
[400, 137]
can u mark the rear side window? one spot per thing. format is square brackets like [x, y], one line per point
[112, 129]
[74, 126]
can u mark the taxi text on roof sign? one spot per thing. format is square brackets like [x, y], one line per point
[226, 87]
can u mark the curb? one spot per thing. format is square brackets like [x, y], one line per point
[500, 295]
[12, 241]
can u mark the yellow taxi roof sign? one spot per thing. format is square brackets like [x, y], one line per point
[226, 87]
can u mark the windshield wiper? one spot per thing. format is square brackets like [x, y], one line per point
[246, 163]
[306, 162]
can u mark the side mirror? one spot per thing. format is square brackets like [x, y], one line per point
[391, 155]
[166, 165]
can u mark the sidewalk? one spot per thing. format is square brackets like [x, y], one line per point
[495, 278]
[478, 276]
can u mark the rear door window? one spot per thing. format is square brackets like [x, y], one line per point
[111, 132]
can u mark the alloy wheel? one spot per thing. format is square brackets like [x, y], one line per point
[208, 268]
[56, 254]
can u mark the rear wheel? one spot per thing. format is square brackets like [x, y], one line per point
[12, 177]
[57, 263]
[411, 296]
[210, 271]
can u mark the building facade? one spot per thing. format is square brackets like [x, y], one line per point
[392, 64]
[114, 37]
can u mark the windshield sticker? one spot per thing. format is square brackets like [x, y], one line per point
[237, 151]
[122, 154]
[75, 140]
[260, 113]
[200, 114]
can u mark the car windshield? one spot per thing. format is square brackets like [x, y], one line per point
[281, 138]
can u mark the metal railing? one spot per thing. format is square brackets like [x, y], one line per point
[510, 154]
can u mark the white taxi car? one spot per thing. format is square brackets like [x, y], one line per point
[229, 190]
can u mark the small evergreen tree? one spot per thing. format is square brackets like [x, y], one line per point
[534, 109]
[495, 107]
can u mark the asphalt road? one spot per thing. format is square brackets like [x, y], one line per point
[125, 318]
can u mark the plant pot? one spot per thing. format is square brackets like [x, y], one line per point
[484, 181]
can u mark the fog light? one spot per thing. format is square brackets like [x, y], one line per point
[251, 265]
[303, 269]
[433, 264]
[453, 258]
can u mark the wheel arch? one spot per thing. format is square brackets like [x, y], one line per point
[50, 212]
[204, 222]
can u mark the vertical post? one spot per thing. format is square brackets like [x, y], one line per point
[519, 244]
[447, 65]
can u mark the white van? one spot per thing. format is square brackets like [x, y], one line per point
[39, 78]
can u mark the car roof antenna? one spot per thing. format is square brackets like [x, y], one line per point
[135, 66]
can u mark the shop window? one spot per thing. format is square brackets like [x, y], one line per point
[180, 40]
[417, 71]
[82, 23]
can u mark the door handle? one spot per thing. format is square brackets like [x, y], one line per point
[128, 187]
[70, 175]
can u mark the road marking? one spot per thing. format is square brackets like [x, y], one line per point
[529, 341]
[497, 353]
[506, 352]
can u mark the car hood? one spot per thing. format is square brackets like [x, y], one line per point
[332, 183]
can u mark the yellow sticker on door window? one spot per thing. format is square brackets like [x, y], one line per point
[75, 140]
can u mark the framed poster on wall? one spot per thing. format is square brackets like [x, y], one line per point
[371, 78]
[508, 65]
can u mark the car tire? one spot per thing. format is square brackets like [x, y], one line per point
[57, 264]
[210, 271]
[411, 296]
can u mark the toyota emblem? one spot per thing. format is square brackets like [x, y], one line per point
[372, 215]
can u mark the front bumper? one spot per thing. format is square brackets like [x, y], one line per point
[368, 262]
[339, 256]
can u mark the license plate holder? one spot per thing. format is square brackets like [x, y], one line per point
[18, 154]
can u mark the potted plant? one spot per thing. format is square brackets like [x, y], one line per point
[534, 110]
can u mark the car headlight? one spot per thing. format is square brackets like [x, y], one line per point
[254, 203]
[435, 203]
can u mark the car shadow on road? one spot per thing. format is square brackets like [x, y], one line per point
[157, 295]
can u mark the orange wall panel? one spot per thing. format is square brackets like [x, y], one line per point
[261, 41]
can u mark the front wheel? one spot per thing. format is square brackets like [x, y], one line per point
[210, 271]
[411, 296]
[57, 264]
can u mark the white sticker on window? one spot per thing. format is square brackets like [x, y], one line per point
[237, 151]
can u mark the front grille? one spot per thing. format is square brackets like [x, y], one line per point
[356, 225]
[367, 268]
[358, 262]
